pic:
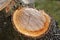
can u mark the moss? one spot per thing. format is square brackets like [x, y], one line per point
[50, 7]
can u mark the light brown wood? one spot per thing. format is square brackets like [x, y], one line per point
[31, 22]
[31, 19]
[4, 3]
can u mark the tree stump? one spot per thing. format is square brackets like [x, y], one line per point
[4, 3]
[31, 22]
[7, 6]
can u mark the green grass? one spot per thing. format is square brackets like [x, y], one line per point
[50, 7]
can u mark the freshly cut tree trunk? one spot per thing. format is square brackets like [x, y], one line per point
[31, 22]
[8, 6]
[4, 3]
